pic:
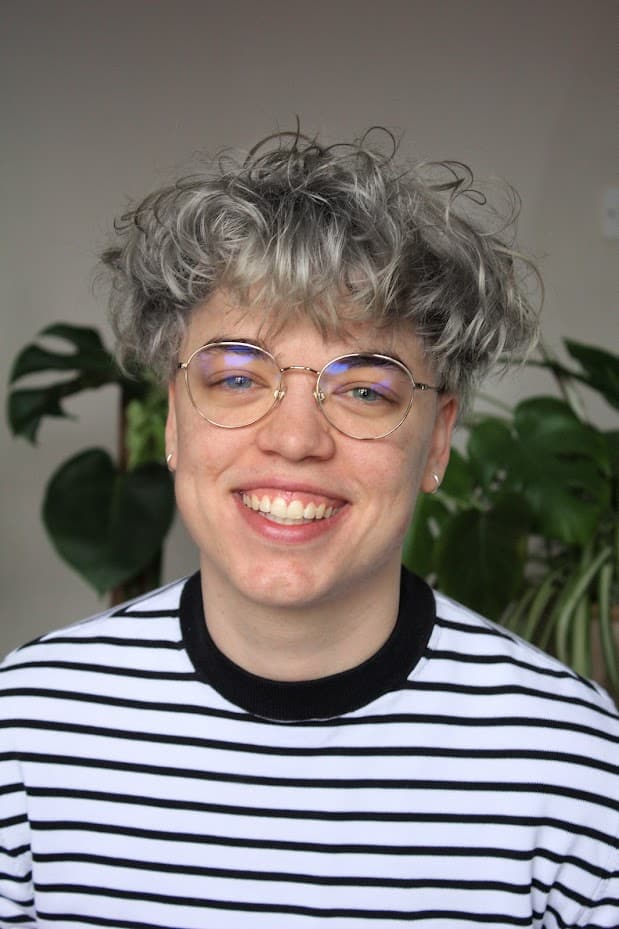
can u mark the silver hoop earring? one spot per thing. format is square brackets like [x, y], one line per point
[437, 480]
[168, 459]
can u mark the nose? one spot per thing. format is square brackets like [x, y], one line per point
[296, 428]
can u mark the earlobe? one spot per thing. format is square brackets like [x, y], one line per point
[438, 457]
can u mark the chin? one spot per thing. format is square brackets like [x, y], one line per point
[281, 583]
[290, 588]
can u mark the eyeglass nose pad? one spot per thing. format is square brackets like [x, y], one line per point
[319, 396]
[279, 393]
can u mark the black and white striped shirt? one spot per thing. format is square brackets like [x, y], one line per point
[458, 778]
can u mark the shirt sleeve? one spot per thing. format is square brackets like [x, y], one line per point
[16, 888]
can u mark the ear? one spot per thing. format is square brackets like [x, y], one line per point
[440, 446]
[171, 432]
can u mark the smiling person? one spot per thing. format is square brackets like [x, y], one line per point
[304, 731]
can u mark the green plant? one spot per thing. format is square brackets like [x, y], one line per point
[107, 519]
[525, 528]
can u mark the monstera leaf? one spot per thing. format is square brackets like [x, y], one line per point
[419, 553]
[107, 524]
[596, 367]
[558, 464]
[599, 369]
[481, 554]
[85, 364]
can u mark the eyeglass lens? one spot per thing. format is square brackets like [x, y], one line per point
[235, 384]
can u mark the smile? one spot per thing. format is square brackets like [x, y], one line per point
[292, 513]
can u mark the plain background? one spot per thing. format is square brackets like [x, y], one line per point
[103, 101]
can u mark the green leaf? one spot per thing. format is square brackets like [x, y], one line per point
[86, 339]
[568, 502]
[574, 590]
[554, 428]
[420, 542]
[27, 407]
[490, 448]
[106, 524]
[558, 463]
[610, 646]
[580, 646]
[92, 364]
[545, 592]
[546, 416]
[145, 432]
[611, 438]
[513, 615]
[458, 482]
[481, 555]
[600, 369]
[89, 355]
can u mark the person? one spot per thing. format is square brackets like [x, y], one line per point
[303, 731]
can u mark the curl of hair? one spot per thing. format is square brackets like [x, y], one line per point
[335, 233]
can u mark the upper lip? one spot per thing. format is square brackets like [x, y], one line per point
[289, 486]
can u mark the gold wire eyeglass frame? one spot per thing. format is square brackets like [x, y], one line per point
[280, 392]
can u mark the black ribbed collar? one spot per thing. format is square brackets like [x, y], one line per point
[324, 697]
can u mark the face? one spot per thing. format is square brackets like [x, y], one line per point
[289, 512]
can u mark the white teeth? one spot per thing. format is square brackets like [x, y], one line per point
[293, 513]
[279, 507]
[295, 510]
[265, 505]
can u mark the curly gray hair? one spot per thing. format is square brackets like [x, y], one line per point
[336, 232]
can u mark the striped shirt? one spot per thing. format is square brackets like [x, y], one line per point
[457, 778]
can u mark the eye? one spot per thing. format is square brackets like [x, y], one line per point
[234, 382]
[366, 394]
[374, 392]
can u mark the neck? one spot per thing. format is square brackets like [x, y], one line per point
[387, 670]
[306, 642]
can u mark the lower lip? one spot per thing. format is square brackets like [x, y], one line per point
[277, 532]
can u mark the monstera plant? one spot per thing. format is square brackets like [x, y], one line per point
[525, 528]
[106, 518]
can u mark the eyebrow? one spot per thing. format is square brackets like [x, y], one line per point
[254, 342]
[257, 342]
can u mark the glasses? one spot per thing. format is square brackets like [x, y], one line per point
[236, 384]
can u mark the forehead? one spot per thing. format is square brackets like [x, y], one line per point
[223, 317]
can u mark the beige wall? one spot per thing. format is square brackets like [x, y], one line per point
[101, 101]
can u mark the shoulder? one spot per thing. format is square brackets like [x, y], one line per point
[146, 620]
[475, 652]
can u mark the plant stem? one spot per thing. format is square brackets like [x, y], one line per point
[580, 650]
[609, 646]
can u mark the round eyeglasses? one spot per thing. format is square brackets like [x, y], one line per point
[362, 395]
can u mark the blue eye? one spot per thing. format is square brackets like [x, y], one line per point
[366, 394]
[236, 382]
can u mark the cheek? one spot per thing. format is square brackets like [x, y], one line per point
[393, 476]
[399, 474]
[199, 443]
[196, 465]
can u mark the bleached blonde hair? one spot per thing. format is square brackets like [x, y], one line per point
[335, 232]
